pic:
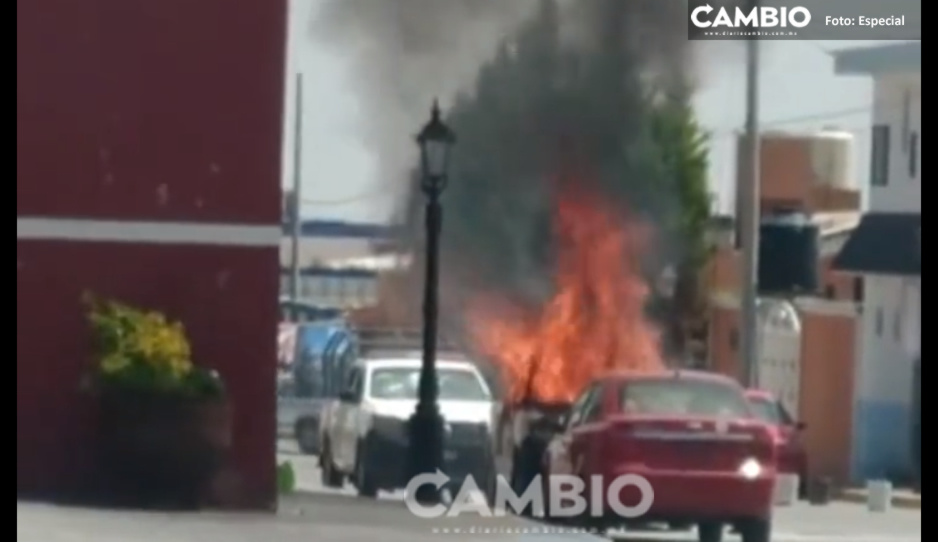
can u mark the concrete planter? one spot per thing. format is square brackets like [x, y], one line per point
[161, 450]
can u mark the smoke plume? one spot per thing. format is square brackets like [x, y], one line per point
[406, 53]
[533, 88]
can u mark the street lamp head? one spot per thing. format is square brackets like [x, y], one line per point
[436, 139]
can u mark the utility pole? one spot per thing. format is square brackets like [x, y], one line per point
[750, 209]
[296, 203]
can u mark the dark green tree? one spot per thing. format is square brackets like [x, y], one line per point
[683, 147]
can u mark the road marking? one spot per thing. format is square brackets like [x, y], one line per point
[143, 232]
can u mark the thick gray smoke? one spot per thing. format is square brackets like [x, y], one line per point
[581, 85]
[406, 53]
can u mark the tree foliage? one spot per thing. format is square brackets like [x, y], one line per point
[683, 147]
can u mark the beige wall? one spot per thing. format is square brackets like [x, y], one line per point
[788, 179]
[829, 330]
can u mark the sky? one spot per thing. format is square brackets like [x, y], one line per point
[798, 91]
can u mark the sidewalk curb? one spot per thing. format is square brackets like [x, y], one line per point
[906, 502]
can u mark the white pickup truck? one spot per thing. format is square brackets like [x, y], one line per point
[364, 437]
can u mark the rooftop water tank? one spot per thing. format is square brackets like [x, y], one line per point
[816, 159]
[832, 159]
[789, 252]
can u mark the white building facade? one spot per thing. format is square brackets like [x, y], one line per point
[886, 250]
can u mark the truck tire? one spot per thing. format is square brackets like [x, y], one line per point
[307, 436]
[362, 478]
[330, 476]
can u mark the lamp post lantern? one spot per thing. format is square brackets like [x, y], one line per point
[436, 140]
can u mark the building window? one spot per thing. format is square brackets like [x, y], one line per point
[345, 289]
[858, 289]
[906, 119]
[897, 326]
[913, 155]
[879, 157]
[327, 287]
[879, 321]
[830, 291]
[361, 291]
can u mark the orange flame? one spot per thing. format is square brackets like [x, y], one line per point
[595, 322]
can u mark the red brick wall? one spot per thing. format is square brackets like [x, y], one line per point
[146, 111]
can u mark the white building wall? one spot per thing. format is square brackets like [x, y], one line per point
[891, 321]
[319, 250]
[890, 325]
[898, 103]
[882, 440]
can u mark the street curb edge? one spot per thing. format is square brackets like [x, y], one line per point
[906, 503]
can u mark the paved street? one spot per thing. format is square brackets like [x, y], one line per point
[337, 515]
[837, 522]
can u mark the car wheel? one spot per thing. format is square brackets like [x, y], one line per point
[756, 530]
[364, 483]
[710, 532]
[329, 475]
[307, 435]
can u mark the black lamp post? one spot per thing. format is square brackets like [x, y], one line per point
[426, 425]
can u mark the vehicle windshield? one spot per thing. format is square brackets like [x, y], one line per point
[403, 382]
[684, 397]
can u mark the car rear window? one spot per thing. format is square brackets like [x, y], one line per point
[677, 397]
[770, 411]
[766, 410]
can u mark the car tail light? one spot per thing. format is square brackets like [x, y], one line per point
[751, 468]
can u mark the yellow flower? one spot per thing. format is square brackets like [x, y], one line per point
[130, 337]
[114, 363]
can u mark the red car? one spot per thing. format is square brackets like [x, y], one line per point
[691, 434]
[792, 455]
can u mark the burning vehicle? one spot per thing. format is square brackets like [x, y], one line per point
[594, 324]
[588, 391]
[569, 114]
